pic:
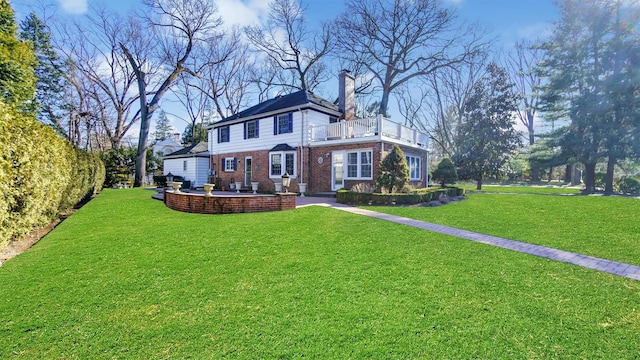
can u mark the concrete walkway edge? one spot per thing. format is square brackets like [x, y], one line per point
[604, 265]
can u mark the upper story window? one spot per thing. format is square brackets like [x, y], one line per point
[414, 163]
[251, 129]
[283, 124]
[333, 119]
[359, 164]
[223, 134]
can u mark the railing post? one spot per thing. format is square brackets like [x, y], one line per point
[379, 124]
[342, 129]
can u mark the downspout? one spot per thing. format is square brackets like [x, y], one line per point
[302, 131]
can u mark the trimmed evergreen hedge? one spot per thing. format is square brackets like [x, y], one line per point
[41, 174]
[416, 197]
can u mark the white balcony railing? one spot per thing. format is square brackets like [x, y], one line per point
[371, 127]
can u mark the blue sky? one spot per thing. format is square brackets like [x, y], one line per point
[506, 20]
[509, 19]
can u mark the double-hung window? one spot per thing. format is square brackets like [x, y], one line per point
[283, 124]
[251, 129]
[414, 163]
[229, 164]
[359, 164]
[223, 134]
[281, 162]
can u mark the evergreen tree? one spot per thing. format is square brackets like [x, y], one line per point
[17, 63]
[194, 135]
[393, 172]
[163, 127]
[445, 173]
[50, 82]
[487, 137]
[593, 83]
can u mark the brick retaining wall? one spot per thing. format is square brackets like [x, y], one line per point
[228, 204]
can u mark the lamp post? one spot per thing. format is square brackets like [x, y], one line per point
[286, 181]
[169, 177]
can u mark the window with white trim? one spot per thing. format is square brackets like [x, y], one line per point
[223, 134]
[251, 129]
[229, 164]
[414, 163]
[281, 162]
[283, 124]
[359, 164]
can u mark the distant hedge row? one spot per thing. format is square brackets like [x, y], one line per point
[416, 197]
[41, 174]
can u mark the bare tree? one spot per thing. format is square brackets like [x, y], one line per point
[101, 75]
[227, 74]
[399, 41]
[522, 64]
[287, 42]
[177, 26]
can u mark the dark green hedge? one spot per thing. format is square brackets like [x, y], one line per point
[41, 174]
[415, 197]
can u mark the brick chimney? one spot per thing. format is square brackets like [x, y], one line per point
[347, 96]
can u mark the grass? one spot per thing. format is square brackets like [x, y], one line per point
[520, 189]
[127, 278]
[606, 227]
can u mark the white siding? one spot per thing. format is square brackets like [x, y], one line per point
[197, 169]
[266, 139]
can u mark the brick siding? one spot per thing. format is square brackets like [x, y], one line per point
[228, 204]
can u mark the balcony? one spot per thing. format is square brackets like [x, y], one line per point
[370, 129]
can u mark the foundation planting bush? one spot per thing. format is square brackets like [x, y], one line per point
[416, 197]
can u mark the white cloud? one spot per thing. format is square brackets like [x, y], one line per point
[242, 12]
[454, 2]
[74, 6]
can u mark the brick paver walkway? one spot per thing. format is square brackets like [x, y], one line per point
[608, 266]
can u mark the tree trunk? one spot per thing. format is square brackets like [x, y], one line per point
[479, 183]
[535, 169]
[608, 187]
[589, 178]
[384, 103]
[568, 171]
[141, 156]
[535, 173]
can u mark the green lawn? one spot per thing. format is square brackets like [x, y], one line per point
[606, 227]
[127, 278]
[522, 189]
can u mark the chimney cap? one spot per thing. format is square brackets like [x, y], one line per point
[346, 71]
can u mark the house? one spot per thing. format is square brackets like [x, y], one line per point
[192, 163]
[319, 144]
[167, 146]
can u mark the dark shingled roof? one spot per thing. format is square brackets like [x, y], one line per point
[283, 147]
[190, 149]
[297, 98]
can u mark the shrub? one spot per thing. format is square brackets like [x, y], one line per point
[41, 174]
[628, 185]
[416, 197]
[363, 188]
[445, 173]
[393, 172]
[160, 180]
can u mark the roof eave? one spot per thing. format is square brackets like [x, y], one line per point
[308, 105]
